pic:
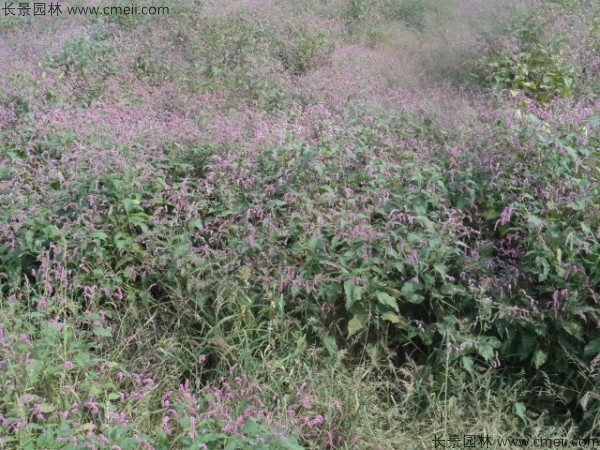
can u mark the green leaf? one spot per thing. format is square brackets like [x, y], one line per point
[409, 292]
[288, 444]
[441, 269]
[314, 243]
[122, 240]
[139, 217]
[568, 82]
[99, 331]
[354, 326]
[231, 445]
[395, 319]
[413, 237]
[543, 263]
[387, 300]
[82, 359]
[487, 351]
[574, 329]
[212, 437]
[132, 205]
[521, 410]
[411, 286]
[535, 220]
[467, 363]
[98, 234]
[592, 348]
[329, 344]
[295, 290]
[47, 407]
[195, 224]
[491, 214]
[539, 358]
[353, 293]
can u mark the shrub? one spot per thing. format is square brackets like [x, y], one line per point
[90, 60]
[537, 72]
[301, 48]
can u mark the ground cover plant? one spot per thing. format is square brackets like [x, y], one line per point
[282, 225]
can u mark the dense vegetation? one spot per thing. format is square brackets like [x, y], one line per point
[324, 224]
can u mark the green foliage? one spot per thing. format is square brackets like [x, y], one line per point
[230, 44]
[153, 67]
[85, 56]
[413, 13]
[88, 58]
[546, 312]
[534, 67]
[240, 56]
[300, 49]
[537, 72]
[357, 9]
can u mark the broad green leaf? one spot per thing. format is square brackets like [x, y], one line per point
[487, 351]
[99, 331]
[393, 318]
[353, 293]
[195, 224]
[354, 326]
[574, 329]
[441, 269]
[329, 344]
[467, 363]
[130, 204]
[525, 345]
[288, 444]
[592, 348]
[295, 290]
[388, 300]
[122, 240]
[98, 234]
[411, 286]
[314, 243]
[140, 220]
[82, 359]
[520, 410]
[410, 291]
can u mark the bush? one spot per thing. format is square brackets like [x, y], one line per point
[90, 60]
[301, 48]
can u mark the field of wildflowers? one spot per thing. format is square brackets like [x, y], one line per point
[328, 224]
